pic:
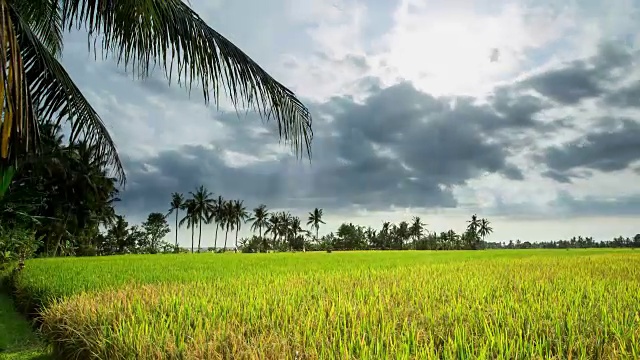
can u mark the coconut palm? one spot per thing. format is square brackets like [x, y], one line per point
[474, 223]
[177, 204]
[485, 228]
[472, 228]
[203, 207]
[315, 219]
[190, 218]
[294, 229]
[416, 229]
[240, 216]
[273, 227]
[139, 34]
[227, 220]
[215, 215]
[285, 224]
[260, 220]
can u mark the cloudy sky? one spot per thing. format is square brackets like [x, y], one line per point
[524, 112]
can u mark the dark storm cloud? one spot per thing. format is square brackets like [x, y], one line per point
[628, 96]
[399, 147]
[597, 206]
[152, 181]
[582, 79]
[609, 149]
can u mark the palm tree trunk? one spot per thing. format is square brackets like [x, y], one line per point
[225, 240]
[215, 241]
[200, 234]
[237, 231]
[176, 229]
[192, 236]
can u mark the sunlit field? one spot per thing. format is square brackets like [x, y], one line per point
[512, 304]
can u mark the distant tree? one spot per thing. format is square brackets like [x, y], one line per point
[177, 204]
[240, 216]
[402, 234]
[315, 219]
[472, 228]
[485, 228]
[216, 215]
[137, 240]
[474, 223]
[156, 228]
[191, 219]
[116, 239]
[203, 205]
[259, 220]
[416, 229]
[273, 227]
[228, 220]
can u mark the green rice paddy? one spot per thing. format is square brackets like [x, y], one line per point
[510, 304]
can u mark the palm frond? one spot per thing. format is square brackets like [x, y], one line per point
[44, 17]
[56, 96]
[142, 33]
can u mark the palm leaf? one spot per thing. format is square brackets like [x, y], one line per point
[142, 33]
[45, 20]
[55, 96]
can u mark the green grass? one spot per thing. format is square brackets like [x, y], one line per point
[17, 339]
[366, 305]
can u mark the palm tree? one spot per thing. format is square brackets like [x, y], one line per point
[294, 230]
[416, 229]
[228, 220]
[216, 216]
[160, 32]
[203, 207]
[190, 218]
[485, 228]
[474, 223]
[315, 219]
[273, 227]
[240, 216]
[177, 204]
[473, 226]
[260, 220]
[285, 224]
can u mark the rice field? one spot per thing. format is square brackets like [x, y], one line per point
[513, 304]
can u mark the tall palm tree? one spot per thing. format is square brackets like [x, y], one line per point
[485, 228]
[315, 219]
[472, 228]
[294, 230]
[203, 206]
[228, 217]
[216, 216]
[416, 229]
[240, 216]
[285, 224]
[139, 34]
[177, 204]
[474, 223]
[259, 218]
[190, 218]
[273, 227]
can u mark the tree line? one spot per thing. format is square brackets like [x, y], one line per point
[61, 203]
